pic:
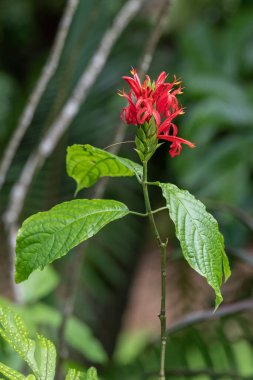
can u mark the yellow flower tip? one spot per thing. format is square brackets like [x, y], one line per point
[120, 93]
[133, 71]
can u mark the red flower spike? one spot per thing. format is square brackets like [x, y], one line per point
[158, 100]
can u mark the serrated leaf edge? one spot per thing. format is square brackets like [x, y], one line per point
[225, 264]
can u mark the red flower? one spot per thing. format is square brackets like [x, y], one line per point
[155, 99]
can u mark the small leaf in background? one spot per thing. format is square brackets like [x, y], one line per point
[92, 374]
[13, 331]
[87, 164]
[39, 285]
[10, 373]
[201, 242]
[47, 236]
[40, 314]
[73, 374]
[79, 336]
[40, 355]
[130, 345]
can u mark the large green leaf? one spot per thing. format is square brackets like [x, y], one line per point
[39, 354]
[87, 164]
[199, 236]
[47, 236]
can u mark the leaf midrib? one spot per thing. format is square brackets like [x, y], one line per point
[68, 225]
[210, 261]
[103, 160]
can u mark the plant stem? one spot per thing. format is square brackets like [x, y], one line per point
[163, 248]
[162, 314]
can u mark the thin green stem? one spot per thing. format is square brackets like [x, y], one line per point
[163, 250]
[147, 203]
[162, 314]
[118, 143]
[146, 213]
[160, 209]
[156, 183]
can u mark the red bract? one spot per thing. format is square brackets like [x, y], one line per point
[155, 99]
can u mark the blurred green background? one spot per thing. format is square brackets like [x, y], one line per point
[209, 45]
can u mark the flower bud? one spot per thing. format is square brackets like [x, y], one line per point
[146, 140]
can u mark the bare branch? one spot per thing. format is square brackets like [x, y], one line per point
[236, 211]
[69, 111]
[160, 22]
[241, 254]
[146, 59]
[202, 316]
[144, 65]
[205, 315]
[47, 73]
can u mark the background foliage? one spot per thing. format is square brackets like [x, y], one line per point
[209, 45]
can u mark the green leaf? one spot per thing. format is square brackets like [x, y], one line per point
[41, 314]
[79, 336]
[87, 164]
[202, 243]
[40, 355]
[49, 235]
[92, 374]
[46, 358]
[73, 374]
[11, 373]
[13, 330]
[130, 345]
[39, 285]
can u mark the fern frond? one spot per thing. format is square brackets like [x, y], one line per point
[40, 354]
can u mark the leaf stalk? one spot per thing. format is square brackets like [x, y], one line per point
[146, 213]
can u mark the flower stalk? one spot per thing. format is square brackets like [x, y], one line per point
[163, 253]
[152, 108]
